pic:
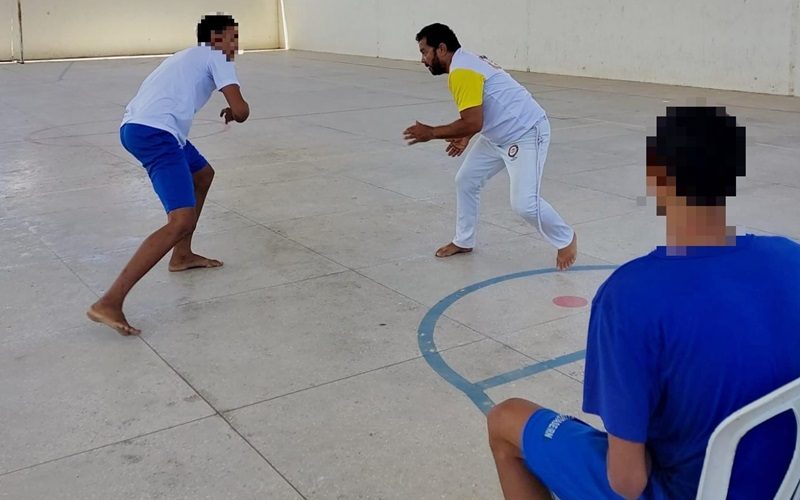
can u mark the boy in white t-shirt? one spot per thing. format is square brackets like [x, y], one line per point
[155, 130]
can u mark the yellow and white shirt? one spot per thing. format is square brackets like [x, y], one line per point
[509, 110]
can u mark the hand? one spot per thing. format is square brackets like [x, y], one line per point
[456, 147]
[228, 114]
[418, 132]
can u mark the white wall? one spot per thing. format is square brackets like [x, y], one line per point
[8, 14]
[81, 28]
[730, 44]
[795, 70]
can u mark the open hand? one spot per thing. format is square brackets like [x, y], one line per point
[456, 147]
[419, 132]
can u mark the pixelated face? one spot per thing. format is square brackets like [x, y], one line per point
[697, 153]
[227, 41]
[430, 57]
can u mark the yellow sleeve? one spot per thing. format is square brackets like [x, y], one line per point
[467, 88]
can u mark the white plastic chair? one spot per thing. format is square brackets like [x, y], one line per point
[718, 465]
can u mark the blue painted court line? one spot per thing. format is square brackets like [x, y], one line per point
[477, 391]
[531, 370]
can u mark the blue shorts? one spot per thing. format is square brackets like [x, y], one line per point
[569, 457]
[169, 165]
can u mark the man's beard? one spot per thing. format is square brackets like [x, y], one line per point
[436, 68]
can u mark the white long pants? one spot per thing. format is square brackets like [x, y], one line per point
[524, 161]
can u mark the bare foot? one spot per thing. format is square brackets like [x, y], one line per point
[193, 261]
[567, 255]
[111, 316]
[451, 249]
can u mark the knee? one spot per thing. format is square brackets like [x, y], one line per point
[204, 177]
[494, 422]
[460, 178]
[506, 421]
[500, 414]
[182, 224]
[527, 209]
[466, 182]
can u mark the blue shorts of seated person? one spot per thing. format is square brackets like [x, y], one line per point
[169, 165]
[569, 457]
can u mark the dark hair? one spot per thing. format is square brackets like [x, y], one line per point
[213, 24]
[437, 33]
[702, 149]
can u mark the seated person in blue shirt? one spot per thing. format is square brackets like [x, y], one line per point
[678, 340]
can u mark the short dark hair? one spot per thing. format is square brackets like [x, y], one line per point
[702, 149]
[213, 24]
[437, 33]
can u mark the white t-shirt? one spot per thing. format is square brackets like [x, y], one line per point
[169, 98]
[509, 110]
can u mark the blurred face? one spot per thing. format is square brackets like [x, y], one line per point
[227, 41]
[430, 57]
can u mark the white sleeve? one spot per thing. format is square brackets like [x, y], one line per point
[222, 71]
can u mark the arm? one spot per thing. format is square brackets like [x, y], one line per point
[469, 124]
[467, 88]
[237, 109]
[621, 384]
[628, 467]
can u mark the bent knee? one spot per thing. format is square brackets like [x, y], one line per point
[204, 176]
[466, 181]
[182, 222]
[507, 419]
[184, 228]
[510, 407]
[527, 210]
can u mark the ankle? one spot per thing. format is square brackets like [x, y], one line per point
[180, 255]
[110, 301]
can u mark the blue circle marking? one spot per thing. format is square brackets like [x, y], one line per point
[476, 391]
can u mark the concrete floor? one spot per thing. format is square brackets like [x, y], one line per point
[296, 371]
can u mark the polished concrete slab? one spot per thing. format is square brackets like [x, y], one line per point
[297, 370]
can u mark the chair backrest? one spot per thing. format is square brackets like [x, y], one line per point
[721, 449]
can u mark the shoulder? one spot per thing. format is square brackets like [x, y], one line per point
[776, 243]
[634, 294]
[196, 51]
[192, 56]
[465, 80]
[629, 278]
[464, 59]
[465, 68]
[464, 74]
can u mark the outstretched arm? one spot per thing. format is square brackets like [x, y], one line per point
[469, 124]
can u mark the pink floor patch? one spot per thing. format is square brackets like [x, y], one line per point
[569, 301]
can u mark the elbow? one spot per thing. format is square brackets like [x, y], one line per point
[628, 487]
[474, 128]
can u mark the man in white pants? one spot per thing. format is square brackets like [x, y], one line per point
[514, 134]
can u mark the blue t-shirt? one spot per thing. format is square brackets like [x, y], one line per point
[678, 343]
